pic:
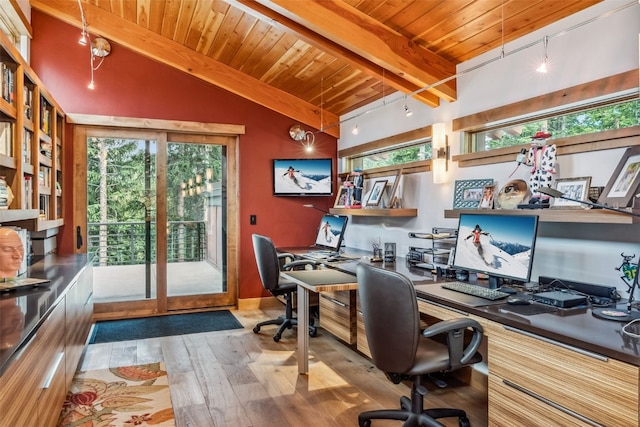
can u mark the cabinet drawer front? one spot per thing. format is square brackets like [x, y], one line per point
[605, 391]
[361, 336]
[26, 376]
[510, 407]
[338, 319]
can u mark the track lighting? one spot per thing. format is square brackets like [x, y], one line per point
[355, 130]
[98, 48]
[407, 111]
[542, 68]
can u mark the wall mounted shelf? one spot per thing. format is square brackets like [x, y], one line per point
[595, 216]
[375, 212]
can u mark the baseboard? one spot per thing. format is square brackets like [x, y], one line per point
[258, 303]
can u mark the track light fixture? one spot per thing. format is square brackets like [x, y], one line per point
[355, 130]
[407, 111]
[98, 47]
[542, 68]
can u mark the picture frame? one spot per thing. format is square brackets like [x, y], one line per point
[488, 194]
[467, 193]
[341, 198]
[624, 182]
[375, 195]
[392, 197]
[575, 188]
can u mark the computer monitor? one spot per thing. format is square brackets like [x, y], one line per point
[331, 232]
[500, 245]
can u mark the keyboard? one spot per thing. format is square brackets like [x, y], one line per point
[475, 290]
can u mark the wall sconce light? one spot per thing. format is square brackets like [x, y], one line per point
[304, 137]
[439, 153]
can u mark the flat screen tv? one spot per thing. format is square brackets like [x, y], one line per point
[501, 246]
[302, 177]
[331, 232]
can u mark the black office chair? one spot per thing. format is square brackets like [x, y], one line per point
[392, 325]
[269, 266]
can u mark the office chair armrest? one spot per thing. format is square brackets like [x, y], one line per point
[299, 263]
[454, 328]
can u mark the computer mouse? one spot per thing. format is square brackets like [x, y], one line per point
[518, 301]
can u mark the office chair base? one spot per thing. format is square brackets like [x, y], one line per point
[410, 419]
[285, 324]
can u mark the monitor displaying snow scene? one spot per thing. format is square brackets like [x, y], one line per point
[302, 177]
[331, 232]
[498, 245]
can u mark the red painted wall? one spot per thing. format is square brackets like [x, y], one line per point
[130, 85]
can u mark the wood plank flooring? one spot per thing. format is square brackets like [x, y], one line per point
[240, 379]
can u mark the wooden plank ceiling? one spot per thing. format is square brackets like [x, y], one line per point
[316, 60]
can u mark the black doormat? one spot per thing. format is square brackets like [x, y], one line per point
[162, 326]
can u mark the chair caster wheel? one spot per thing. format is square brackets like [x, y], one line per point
[464, 422]
[256, 330]
[366, 423]
[276, 337]
[313, 332]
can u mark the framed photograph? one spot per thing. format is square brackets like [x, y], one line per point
[575, 188]
[488, 192]
[623, 184]
[375, 195]
[341, 197]
[392, 197]
[467, 193]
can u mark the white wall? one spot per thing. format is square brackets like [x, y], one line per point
[604, 47]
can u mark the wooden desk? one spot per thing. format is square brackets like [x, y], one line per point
[322, 280]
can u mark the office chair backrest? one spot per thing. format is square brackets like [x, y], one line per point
[267, 260]
[391, 318]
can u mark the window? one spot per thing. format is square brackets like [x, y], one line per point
[586, 121]
[418, 150]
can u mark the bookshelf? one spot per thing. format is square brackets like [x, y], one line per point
[31, 145]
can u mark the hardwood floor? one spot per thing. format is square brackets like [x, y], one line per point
[241, 379]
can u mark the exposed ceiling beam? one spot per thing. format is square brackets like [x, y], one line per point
[372, 40]
[395, 81]
[161, 49]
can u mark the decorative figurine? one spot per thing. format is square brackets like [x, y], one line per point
[628, 270]
[542, 158]
[358, 184]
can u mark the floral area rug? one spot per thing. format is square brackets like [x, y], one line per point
[126, 396]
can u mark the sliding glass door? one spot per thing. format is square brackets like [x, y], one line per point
[157, 221]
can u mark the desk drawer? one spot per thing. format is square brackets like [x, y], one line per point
[600, 389]
[361, 336]
[441, 312]
[338, 314]
[510, 407]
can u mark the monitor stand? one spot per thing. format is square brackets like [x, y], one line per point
[494, 282]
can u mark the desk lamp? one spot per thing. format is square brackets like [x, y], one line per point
[607, 313]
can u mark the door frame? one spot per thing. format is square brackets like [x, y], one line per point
[85, 126]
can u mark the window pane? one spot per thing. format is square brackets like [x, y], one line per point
[415, 152]
[594, 120]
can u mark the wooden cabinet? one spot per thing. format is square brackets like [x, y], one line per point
[338, 314]
[29, 387]
[34, 385]
[570, 386]
[31, 145]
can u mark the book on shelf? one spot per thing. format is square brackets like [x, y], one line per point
[8, 81]
[44, 176]
[28, 102]
[28, 192]
[27, 139]
[6, 138]
[43, 206]
[45, 117]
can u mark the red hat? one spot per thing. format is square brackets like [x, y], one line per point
[541, 135]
